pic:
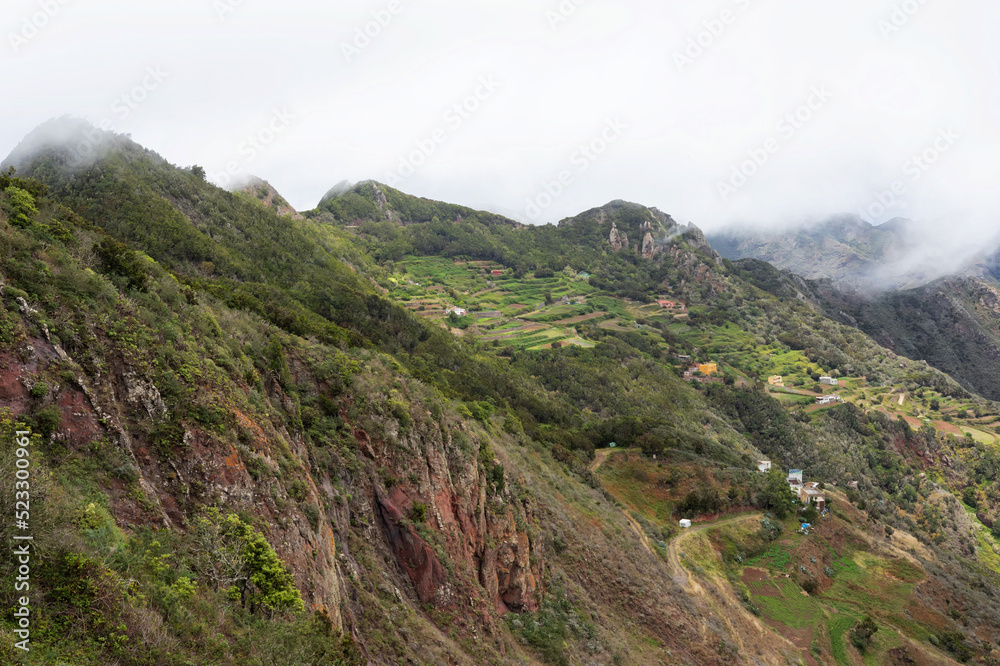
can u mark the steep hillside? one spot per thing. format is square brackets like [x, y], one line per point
[264, 192]
[191, 415]
[952, 323]
[247, 449]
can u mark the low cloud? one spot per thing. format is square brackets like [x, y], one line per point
[898, 72]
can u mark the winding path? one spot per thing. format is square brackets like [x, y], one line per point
[600, 455]
[673, 558]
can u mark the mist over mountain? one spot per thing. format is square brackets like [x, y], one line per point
[394, 429]
[847, 249]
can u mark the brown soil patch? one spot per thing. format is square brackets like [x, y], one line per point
[759, 583]
[579, 318]
[948, 428]
[753, 575]
[800, 638]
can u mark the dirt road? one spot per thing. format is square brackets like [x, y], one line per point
[600, 455]
[673, 558]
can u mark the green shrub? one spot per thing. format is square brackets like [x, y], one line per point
[418, 512]
[19, 206]
[954, 642]
[39, 390]
[312, 515]
[262, 580]
[861, 634]
[47, 420]
[118, 259]
[298, 490]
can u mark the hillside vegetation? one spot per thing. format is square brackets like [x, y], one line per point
[260, 439]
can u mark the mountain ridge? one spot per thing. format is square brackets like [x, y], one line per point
[426, 492]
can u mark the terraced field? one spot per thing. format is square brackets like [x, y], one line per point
[525, 312]
[516, 313]
[854, 584]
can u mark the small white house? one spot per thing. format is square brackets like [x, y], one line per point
[763, 466]
[794, 479]
[829, 381]
[685, 522]
[459, 312]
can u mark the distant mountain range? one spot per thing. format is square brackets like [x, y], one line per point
[845, 249]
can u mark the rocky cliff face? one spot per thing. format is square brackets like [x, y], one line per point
[844, 248]
[648, 246]
[442, 525]
[617, 239]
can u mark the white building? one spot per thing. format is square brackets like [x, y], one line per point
[794, 479]
[763, 466]
[685, 523]
[829, 381]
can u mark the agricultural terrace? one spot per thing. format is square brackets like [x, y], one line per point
[768, 564]
[745, 357]
[514, 313]
[510, 313]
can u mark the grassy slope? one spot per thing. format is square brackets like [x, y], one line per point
[285, 411]
[859, 573]
[570, 400]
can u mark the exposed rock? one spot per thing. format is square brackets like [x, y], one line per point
[264, 192]
[412, 552]
[617, 239]
[140, 391]
[380, 199]
[696, 238]
[648, 245]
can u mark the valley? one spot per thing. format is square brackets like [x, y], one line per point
[378, 432]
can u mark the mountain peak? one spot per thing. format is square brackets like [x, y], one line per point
[267, 195]
[73, 141]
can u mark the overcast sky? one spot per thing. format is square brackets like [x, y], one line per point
[725, 112]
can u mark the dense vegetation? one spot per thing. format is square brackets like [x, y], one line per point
[953, 324]
[267, 430]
